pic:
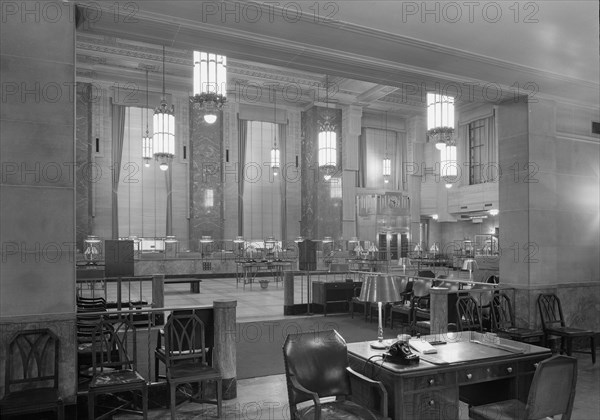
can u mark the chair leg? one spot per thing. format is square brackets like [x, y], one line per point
[156, 366]
[61, 411]
[145, 402]
[172, 388]
[91, 403]
[593, 346]
[569, 341]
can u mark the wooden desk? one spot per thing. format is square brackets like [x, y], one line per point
[326, 292]
[462, 370]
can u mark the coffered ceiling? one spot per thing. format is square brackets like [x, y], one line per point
[377, 54]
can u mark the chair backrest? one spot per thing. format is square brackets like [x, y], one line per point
[91, 304]
[318, 361]
[426, 273]
[494, 279]
[421, 286]
[114, 345]
[552, 390]
[185, 339]
[502, 312]
[468, 314]
[32, 360]
[551, 312]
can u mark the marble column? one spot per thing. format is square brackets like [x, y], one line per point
[549, 228]
[37, 189]
[225, 357]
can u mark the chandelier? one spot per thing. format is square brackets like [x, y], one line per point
[164, 129]
[327, 140]
[146, 139]
[440, 120]
[210, 84]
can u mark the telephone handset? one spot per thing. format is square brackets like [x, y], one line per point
[400, 352]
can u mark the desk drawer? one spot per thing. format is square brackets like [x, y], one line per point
[430, 381]
[431, 405]
[477, 374]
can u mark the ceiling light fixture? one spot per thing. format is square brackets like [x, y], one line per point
[210, 84]
[440, 120]
[163, 146]
[327, 141]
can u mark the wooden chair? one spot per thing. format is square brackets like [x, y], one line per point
[503, 321]
[355, 302]
[32, 374]
[86, 324]
[206, 315]
[316, 366]
[468, 315]
[186, 361]
[553, 324]
[404, 307]
[114, 346]
[551, 393]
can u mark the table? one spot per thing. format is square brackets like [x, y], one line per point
[248, 271]
[470, 368]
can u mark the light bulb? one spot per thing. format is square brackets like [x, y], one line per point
[440, 145]
[210, 118]
[275, 171]
[164, 166]
[327, 177]
[147, 164]
[448, 185]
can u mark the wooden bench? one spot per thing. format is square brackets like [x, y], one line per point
[193, 281]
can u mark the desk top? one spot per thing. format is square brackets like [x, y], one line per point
[461, 348]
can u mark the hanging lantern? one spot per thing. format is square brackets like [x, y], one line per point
[210, 84]
[163, 146]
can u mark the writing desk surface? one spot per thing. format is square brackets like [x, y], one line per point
[461, 348]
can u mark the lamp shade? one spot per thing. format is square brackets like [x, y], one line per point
[469, 264]
[380, 288]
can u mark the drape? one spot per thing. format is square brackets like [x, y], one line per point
[282, 131]
[118, 134]
[169, 185]
[242, 142]
[362, 159]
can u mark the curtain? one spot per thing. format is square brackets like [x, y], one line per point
[362, 159]
[282, 134]
[242, 142]
[399, 161]
[492, 173]
[169, 185]
[118, 133]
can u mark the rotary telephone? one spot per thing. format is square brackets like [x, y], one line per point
[400, 352]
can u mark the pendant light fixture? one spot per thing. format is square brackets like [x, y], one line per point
[210, 84]
[164, 129]
[327, 140]
[387, 162]
[147, 140]
[275, 149]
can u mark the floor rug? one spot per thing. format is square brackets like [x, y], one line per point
[259, 344]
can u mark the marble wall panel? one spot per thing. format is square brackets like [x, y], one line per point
[205, 174]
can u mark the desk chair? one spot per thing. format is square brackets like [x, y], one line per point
[355, 302]
[468, 315]
[551, 393]
[316, 366]
[32, 374]
[503, 321]
[186, 360]
[114, 349]
[553, 324]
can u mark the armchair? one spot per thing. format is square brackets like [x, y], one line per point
[316, 366]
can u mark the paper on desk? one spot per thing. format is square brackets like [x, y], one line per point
[422, 346]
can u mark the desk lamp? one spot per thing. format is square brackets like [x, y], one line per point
[470, 264]
[381, 289]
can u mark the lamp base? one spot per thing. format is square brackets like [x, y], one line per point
[379, 345]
